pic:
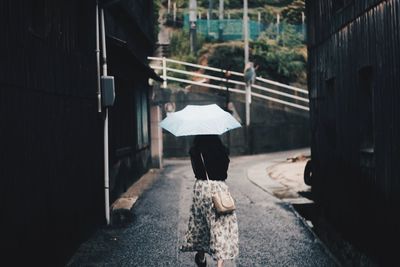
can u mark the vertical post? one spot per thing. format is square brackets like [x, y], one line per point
[164, 70]
[278, 21]
[246, 57]
[174, 15]
[303, 24]
[192, 23]
[210, 8]
[106, 160]
[156, 137]
[98, 59]
[169, 7]
[245, 32]
[248, 102]
[227, 75]
[209, 15]
[220, 19]
[259, 22]
[208, 24]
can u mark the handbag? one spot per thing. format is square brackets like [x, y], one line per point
[222, 200]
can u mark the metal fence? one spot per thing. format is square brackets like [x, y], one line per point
[184, 73]
[232, 29]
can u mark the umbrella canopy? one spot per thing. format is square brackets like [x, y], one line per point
[199, 120]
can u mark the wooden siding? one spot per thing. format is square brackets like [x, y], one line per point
[358, 188]
[51, 136]
[129, 120]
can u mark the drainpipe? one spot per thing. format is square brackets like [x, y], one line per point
[98, 58]
[106, 167]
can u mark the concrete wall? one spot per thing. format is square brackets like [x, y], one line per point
[273, 127]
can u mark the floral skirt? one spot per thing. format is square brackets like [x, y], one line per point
[214, 234]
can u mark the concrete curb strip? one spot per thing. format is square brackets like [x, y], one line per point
[121, 209]
[316, 238]
[258, 175]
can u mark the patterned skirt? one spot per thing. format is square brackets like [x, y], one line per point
[214, 234]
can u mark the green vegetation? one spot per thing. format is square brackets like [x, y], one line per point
[292, 13]
[180, 50]
[180, 46]
[156, 10]
[282, 58]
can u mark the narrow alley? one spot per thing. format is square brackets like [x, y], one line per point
[271, 232]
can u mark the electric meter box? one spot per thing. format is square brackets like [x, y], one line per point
[107, 91]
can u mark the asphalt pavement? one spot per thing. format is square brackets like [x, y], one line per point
[271, 232]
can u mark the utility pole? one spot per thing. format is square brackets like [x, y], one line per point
[246, 58]
[245, 32]
[209, 15]
[174, 13]
[221, 17]
[192, 23]
[210, 8]
[227, 76]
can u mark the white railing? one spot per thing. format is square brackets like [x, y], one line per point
[262, 88]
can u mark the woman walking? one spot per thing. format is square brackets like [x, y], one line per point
[209, 232]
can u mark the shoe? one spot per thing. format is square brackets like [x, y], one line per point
[200, 262]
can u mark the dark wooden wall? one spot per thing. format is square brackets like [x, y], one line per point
[128, 120]
[354, 67]
[129, 41]
[51, 140]
[51, 135]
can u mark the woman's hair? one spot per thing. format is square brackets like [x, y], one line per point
[206, 140]
[209, 143]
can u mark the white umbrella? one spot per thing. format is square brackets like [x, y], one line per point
[199, 120]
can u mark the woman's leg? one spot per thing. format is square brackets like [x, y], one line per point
[220, 263]
[200, 259]
[201, 255]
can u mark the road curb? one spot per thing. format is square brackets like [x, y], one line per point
[316, 238]
[122, 208]
[257, 175]
[263, 181]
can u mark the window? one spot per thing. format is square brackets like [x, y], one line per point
[365, 90]
[142, 118]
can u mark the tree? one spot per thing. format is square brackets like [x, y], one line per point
[293, 13]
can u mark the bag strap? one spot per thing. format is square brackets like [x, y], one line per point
[205, 169]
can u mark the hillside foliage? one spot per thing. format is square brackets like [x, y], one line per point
[282, 58]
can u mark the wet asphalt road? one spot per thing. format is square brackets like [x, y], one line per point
[270, 233]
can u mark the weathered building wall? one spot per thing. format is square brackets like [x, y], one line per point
[354, 66]
[51, 136]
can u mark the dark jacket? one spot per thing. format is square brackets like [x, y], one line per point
[215, 157]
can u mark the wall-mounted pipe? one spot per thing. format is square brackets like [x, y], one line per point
[98, 58]
[106, 156]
